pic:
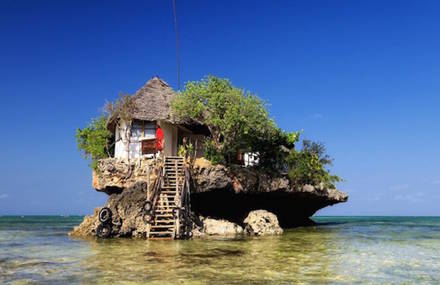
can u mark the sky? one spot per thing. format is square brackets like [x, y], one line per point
[360, 76]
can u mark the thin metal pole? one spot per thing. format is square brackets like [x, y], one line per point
[177, 44]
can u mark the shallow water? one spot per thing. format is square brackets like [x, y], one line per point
[340, 250]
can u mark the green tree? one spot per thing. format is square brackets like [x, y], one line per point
[237, 120]
[308, 165]
[93, 140]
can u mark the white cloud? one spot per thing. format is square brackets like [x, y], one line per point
[3, 196]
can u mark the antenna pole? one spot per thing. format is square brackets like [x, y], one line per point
[177, 45]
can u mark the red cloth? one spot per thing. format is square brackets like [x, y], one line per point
[159, 138]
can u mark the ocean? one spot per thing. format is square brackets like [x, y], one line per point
[339, 250]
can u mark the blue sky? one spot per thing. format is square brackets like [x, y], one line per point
[361, 76]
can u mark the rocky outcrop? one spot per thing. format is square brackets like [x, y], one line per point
[114, 174]
[221, 193]
[262, 222]
[232, 192]
[212, 227]
[87, 227]
[127, 214]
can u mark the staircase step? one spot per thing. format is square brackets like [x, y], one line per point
[171, 186]
[167, 237]
[169, 232]
[168, 223]
[161, 233]
[162, 226]
[163, 210]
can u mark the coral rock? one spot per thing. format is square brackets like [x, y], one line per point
[262, 222]
[221, 228]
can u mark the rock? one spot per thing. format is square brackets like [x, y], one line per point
[220, 192]
[308, 188]
[210, 176]
[115, 174]
[127, 214]
[88, 226]
[220, 228]
[230, 193]
[262, 222]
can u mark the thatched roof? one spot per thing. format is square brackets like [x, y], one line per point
[152, 101]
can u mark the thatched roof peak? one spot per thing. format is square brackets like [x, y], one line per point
[152, 101]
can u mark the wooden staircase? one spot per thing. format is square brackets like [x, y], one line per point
[166, 223]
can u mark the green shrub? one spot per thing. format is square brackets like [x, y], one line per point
[212, 153]
[186, 150]
[237, 120]
[93, 140]
[307, 166]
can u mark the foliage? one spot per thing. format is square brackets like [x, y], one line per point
[212, 154]
[93, 140]
[307, 166]
[237, 120]
[122, 108]
[181, 151]
[185, 150]
[274, 149]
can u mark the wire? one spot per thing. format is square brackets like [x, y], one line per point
[177, 45]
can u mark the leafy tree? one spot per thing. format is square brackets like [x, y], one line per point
[237, 120]
[93, 140]
[307, 166]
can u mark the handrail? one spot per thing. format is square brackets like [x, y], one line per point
[184, 204]
[156, 189]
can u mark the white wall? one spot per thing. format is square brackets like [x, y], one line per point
[251, 158]
[138, 132]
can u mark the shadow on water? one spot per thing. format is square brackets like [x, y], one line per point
[297, 256]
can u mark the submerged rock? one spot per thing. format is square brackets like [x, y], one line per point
[220, 228]
[262, 222]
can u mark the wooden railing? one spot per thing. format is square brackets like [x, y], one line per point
[183, 210]
[155, 193]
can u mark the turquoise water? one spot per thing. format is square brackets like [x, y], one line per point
[340, 250]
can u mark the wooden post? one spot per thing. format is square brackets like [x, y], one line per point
[148, 181]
